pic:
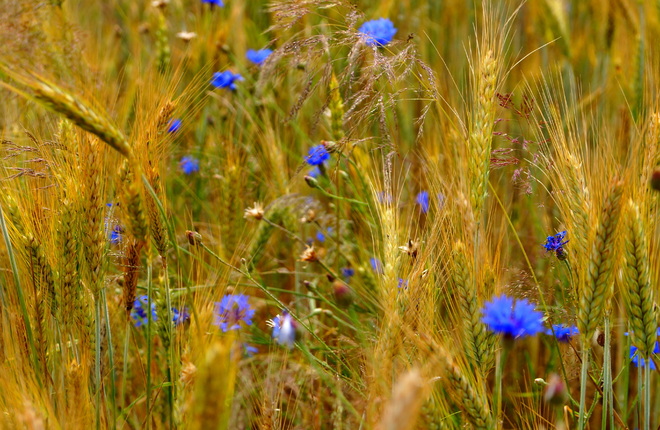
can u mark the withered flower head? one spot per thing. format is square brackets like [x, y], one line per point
[255, 212]
[410, 248]
[186, 36]
[194, 238]
[309, 254]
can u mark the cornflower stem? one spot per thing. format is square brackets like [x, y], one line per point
[111, 360]
[583, 385]
[336, 197]
[647, 394]
[502, 354]
[97, 358]
[170, 348]
[607, 376]
[127, 344]
[149, 323]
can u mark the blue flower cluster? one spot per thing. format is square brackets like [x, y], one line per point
[258, 57]
[506, 316]
[317, 155]
[556, 242]
[226, 79]
[189, 164]
[174, 125]
[284, 329]
[140, 316]
[231, 311]
[377, 32]
[562, 332]
[422, 200]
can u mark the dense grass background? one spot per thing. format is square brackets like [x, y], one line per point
[519, 119]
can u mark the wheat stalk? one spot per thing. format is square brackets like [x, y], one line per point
[638, 292]
[597, 292]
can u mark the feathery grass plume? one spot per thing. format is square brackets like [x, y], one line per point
[597, 292]
[405, 405]
[475, 336]
[469, 399]
[638, 291]
[215, 385]
[61, 101]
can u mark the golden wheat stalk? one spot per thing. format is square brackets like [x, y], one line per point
[598, 290]
[406, 402]
[476, 342]
[472, 402]
[63, 102]
[638, 292]
[481, 129]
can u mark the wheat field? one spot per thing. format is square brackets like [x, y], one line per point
[329, 214]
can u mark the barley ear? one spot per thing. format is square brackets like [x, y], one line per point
[638, 293]
[405, 404]
[598, 289]
[475, 335]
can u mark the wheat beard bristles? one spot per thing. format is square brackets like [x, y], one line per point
[62, 102]
[598, 289]
[638, 293]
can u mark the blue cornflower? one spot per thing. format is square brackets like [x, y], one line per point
[174, 125]
[516, 319]
[258, 57]
[554, 243]
[189, 164]
[226, 79]
[639, 361]
[233, 309]
[317, 155]
[562, 332]
[377, 32]
[403, 283]
[115, 234]
[249, 350]
[347, 273]
[314, 173]
[320, 236]
[218, 3]
[376, 265]
[139, 312]
[284, 329]
[423, 201]
[180, 316]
